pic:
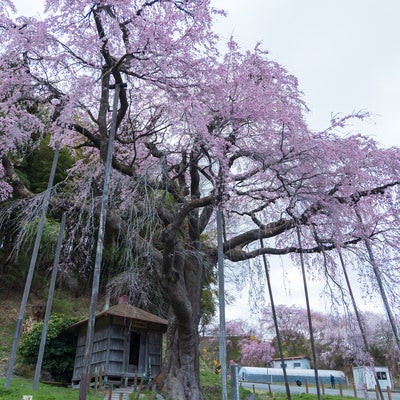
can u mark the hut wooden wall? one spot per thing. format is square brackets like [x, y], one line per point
[111, 352]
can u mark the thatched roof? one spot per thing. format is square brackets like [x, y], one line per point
[126, 312]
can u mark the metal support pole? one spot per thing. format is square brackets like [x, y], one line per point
[358, 317]
[379, 280]
[31, 269]
[49, 303]
[385, 300]
[314, 354]
[278, 335]
[99, 251]
[221, 288]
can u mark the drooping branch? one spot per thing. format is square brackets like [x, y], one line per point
[267, 231]
[238, 254]
[357, 196]
[234, 248]
[141, 246]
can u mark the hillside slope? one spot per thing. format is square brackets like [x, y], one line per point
[10, 301]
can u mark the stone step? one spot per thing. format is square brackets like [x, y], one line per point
[116, 394]
[126, 392]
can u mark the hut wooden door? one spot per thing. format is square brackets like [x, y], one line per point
[137, 352]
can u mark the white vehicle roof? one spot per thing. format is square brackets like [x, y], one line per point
[290, 371]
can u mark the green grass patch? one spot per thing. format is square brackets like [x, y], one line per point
[263, 395]
[211, 384]
[212, 387]
[64, 303]
[21, 386]
[305, 396]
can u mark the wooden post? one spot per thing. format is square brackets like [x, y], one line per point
[89, 380]
[307, 386]
[121, 396]
[254, 389]
[140, 388]
[135, 381]
[377, 391]
[110, 390]
[341, 389]
[101, 377]
[323, 387]
[153, 392]
[355, 390]
[389, 392]
[269, 389]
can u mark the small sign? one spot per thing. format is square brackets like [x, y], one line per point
[27, 397]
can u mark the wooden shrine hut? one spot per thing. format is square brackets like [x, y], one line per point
[127, 343]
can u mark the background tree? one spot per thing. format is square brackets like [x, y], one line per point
[194, 129]
[244, 345]
[255, 352]
[382, 343]
[338, 340]
[293, 328]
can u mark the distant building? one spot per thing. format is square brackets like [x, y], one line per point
[127, 343]
[292, 362]
[364, 377]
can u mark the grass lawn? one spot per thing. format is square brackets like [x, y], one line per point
[21, 386]
[211, 384]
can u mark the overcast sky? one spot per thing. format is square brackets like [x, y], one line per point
[346, 56]
[345, 53]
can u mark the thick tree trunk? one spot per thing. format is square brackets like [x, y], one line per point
[180, 375]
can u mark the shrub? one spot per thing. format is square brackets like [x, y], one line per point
[59, 353]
